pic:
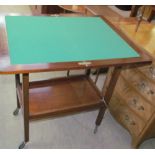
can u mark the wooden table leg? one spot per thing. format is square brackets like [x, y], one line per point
[25, 89]
[88, 72]
[109, 85]
[140, 18]
[17, 80]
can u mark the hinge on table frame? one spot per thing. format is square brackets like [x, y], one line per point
[85, 63]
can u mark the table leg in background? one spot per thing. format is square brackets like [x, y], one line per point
[17, 80]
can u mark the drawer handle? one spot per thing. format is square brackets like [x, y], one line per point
[126, 117]
[141, 108]
[131, 122]
[152, 71]
[134, 101]
[142, 85]
[145, 87]
[136, 104]
[151, 92]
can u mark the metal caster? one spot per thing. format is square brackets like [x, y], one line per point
[22, 145]
[95, 130]
[15, 113]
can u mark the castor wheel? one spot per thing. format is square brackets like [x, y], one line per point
[15, 113]
[95, 130]
[22, 145]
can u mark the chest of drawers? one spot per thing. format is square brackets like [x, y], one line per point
[133, 103]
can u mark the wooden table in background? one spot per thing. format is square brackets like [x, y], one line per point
[74, 8]
[56, 9]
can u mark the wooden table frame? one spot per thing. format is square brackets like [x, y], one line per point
[101, 99]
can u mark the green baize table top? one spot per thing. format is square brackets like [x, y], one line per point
[42, 39]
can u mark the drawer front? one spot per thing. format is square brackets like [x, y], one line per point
[133, 100]
[149, 72]
[141, 84]
[121, 85]
[125, 116]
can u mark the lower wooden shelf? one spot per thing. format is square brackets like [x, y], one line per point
[60, 96]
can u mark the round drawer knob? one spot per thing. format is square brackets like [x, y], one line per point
[152, 71]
